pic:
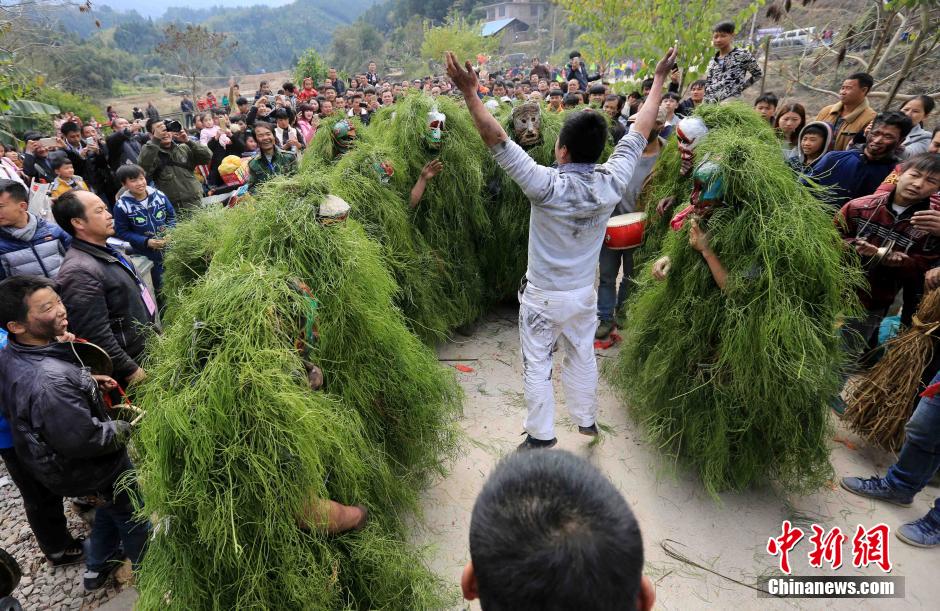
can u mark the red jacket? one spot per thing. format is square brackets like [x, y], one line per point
[872, 218]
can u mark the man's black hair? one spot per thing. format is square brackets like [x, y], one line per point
[647, 83]
[555, 92]
[935, 130]
[265, 125]
[925, 163]
[583, 134]
[574, 54]
[32, 135]
[571, 100]
[67, 207]
[16, 190]
[895, 118]
[289, 87]
[767, 98]
[612, 97]
[596, 89]
[864, 80]
[672, 95]
[14, 292]
[371, 90]
[725, 27]
[129, 171]
[328, 88]
[69, 127]
[280, 113]
[57, 161]
[151, 122]
[241, 100]
[698, 83]
[549, 531]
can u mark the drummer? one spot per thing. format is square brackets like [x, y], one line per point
[610, 298]
[570, 209]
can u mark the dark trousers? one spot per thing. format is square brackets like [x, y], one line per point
[920, 456]
[115, 526]
[43, 508]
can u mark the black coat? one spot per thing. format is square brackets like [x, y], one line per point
[105, 306]
[61, 431]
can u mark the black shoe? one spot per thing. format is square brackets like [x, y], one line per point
[95, 580]
[604, 329]
[73, 554]
[531, 443]
[590, 431]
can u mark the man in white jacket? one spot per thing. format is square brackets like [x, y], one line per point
[570, 209]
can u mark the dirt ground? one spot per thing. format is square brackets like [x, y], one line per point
[728, 536]
[170, 103]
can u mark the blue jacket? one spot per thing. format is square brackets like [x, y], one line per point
[849, 175]
[137, 221]
[41, 255]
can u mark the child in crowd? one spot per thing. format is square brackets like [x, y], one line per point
[210, 131]
[814, 141]
[766, 106]
[65, 179]
[141, 215]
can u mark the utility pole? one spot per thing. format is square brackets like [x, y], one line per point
[554, 16]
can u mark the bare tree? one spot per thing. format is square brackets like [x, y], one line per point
[194, 50]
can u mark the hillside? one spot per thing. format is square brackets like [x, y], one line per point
[269, 37]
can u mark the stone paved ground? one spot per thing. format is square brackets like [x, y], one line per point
[42, 587]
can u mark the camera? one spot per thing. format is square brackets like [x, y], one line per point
[173, 126]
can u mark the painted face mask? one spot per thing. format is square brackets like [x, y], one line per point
[384, 170]
[708, 189]
[343, 135]
[688, 132]
[332, 210]
[527, 124]
[435, 134]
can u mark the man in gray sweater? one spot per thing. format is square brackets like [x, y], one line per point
[570, 208]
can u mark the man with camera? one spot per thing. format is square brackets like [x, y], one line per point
[169, 160]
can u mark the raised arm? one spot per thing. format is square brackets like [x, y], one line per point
[646, 118]
[466, 80]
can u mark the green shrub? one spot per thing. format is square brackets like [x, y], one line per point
[69, 102]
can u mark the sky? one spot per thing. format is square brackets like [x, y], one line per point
[156, 8]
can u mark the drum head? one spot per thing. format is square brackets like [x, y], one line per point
[9, 573]
[94, 357]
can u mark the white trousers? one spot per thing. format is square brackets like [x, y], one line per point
[547, 319]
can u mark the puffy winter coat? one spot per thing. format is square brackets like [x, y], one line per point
[137, 221]
[61, 431]
[41, 255]
[105, 305]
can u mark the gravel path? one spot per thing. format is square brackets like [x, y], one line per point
[42, 586]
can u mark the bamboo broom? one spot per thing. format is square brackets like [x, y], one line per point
[881, 401]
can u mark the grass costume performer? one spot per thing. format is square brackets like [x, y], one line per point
[732, 355]
[366, 177]
[248, 444]
[449, 210]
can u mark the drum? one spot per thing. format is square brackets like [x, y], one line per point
[625, 231]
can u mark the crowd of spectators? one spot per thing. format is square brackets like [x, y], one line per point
[66, 274]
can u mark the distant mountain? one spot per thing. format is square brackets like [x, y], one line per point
[270, 33]
[158, 8]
